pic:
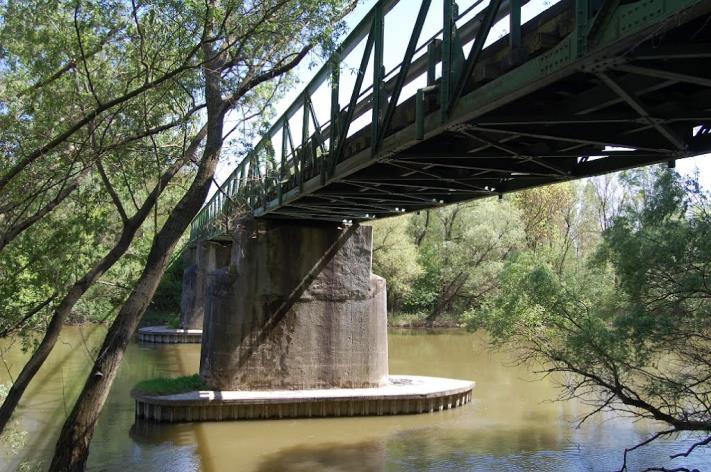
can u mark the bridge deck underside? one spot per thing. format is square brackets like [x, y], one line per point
[650, 94]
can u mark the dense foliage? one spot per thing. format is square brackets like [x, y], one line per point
[442, 264]
[630, 330]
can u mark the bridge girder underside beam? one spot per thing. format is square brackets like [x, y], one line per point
[649, 104]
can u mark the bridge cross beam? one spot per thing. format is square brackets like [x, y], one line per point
[636, 104]
[469, 131]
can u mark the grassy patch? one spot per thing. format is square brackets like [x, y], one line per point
[169, 386]
[419, 320]
[401, 320]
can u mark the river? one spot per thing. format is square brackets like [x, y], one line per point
[513, 424]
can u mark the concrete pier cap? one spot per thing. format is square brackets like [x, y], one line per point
[297, 308]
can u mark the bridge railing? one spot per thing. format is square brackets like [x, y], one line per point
[265, 175]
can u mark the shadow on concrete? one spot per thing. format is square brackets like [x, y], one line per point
[281, 311]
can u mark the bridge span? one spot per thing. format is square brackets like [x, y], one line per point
[584, 88]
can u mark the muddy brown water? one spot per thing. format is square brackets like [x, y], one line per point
[513, 424]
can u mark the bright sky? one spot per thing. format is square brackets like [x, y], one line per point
[398, 25]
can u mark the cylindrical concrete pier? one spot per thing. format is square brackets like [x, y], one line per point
[298, 308]
[200, 258]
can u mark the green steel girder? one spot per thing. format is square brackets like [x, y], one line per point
[595, 31]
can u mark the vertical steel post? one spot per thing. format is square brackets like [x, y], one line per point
[420, 114]
[582, 23]
[284, 152]
[305, 128]
[335, 112]
[240, 182]
[264, 179]
[305, 134]
[515, 24]
[432, 48]
[378, 73]
[447, 37]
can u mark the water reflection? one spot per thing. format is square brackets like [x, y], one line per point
[328, 458]
[422, 450]
[510, 425]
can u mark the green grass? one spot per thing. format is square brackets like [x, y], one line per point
[169, 386]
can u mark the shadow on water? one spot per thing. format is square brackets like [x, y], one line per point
[413, 450]
[328, 457]
[148, 433]
[452, 451]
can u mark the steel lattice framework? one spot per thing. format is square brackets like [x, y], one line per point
[584, 88]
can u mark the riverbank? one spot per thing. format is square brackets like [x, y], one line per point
[395, 320]
[419, 321]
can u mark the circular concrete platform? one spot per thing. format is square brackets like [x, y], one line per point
[404, 394]
[166, 335]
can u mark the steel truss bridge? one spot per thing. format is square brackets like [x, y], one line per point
[584, 88]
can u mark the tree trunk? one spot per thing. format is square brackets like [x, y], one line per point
[421, 235]
[72, 449]
[445, 298]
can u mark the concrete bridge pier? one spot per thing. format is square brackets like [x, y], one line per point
[296, 326]
[297, 308]
[200, 258]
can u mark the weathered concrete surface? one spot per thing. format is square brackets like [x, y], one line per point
[166, 335]
[401, 394]
[297, 308]
[200, 258]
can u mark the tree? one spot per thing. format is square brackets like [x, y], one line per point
[395, 258]
[130, 226]
[543, 212]
[631, 334]
[242, 46]
[124, 157]
[464, 248]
